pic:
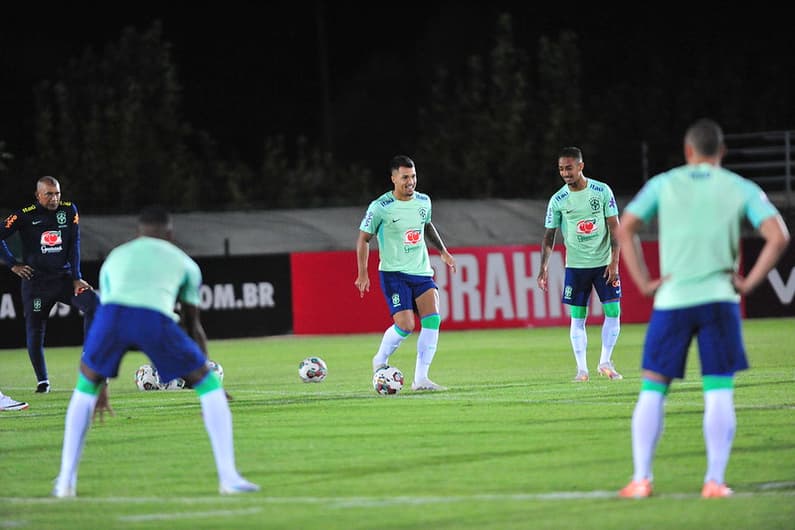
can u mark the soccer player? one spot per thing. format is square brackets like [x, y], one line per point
[401, 219]
[50, 268]
[140, 282]
[699, 207]
[6, 403]
[586, 213]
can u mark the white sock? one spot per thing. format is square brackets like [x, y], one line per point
[76, 424]
[647, 427]
[610, 329]
[719, 426]
[392, 339]
[579, 342]
[426, 349]
[218, 422]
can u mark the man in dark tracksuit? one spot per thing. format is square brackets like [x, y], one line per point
[50, 268]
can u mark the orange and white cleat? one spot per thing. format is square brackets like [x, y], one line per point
[609, 371]
[712, 490]
[637, 489]
[581, 377]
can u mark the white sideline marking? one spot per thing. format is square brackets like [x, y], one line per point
[770, 488]
[188, 515]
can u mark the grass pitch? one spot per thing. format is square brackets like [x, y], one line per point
[513, 443]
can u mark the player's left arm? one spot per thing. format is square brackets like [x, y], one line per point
[611, 272]
[432, 235]
[78, 282]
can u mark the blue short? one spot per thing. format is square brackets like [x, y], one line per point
[579, 283]
[717, 328]
[400, 289]
[118, 329]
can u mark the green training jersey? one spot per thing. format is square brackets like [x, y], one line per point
[151, 273]
[400, 228]
[699, 209]
[580, 215]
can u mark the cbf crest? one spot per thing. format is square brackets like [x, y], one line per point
[423, 213]
[596, 204]
[395, 299]
[61, 217]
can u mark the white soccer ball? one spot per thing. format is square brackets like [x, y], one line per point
[312, 370]
[387, 380]
[174, 384]
[217, 368]
[146, 378]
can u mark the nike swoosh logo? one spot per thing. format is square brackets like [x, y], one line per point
[36, 222]
[395, 220]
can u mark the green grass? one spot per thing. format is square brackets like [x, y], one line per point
[512, 444]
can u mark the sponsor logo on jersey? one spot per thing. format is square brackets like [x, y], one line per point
[30, 208]
[51, 241]
[586, 226]
[412, 237]
[76, 220]
[368, 218]
[10, 220]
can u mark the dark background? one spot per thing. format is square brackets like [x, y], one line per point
[251, 70]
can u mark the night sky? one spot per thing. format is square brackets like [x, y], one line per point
[250, 70]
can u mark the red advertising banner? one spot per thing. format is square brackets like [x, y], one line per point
[494, 287]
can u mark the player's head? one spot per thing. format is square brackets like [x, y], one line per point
[48, 192]
[704, 139]
[404, 176]
[570, 165]
[155, 221]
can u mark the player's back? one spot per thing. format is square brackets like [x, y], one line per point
[700, 209]
[151, 273]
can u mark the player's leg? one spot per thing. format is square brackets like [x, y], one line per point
[176, 355]
[722, 354]
[36, 308]
[78, 419]
[576, 294]
[428, 340]
[87, 302]
[102, 354]
[610, 296]
[664, 357]
[400, 303]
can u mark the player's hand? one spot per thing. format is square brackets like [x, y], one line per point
[449, 260]
[649, 287]
[363, 284]
[80, 286]
[103, 404]
[23, 271]
[610, 274]
[542, 280]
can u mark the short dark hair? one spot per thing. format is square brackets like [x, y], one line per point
[705, 136]
[571, 152]
[400, 161]
[154, 216]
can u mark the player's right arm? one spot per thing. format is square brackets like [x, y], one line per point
[547, 244]
[362, 255]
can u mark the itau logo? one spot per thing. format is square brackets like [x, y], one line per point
[586, 226]
[411, 237]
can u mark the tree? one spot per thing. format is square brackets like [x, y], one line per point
[111, 126]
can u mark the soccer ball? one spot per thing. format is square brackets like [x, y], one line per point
[217, 368]
[174, 384]
[312, 370]
[387, 380]
[146, 378]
